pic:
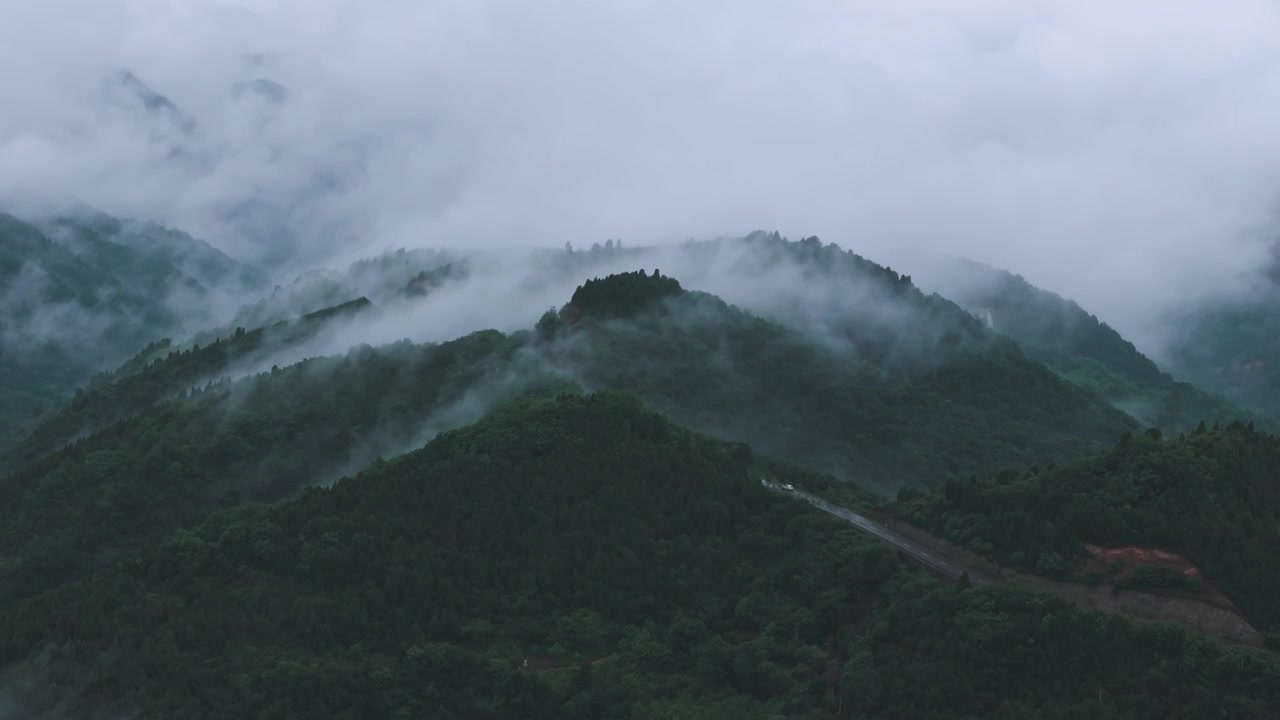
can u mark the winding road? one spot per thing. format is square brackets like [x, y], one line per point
[922, 554]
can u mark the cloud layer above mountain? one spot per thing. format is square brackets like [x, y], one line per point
[1124, 155]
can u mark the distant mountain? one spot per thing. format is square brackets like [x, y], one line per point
[261, 88]
[128, 89]
[1081, 348]
[1231, 345]
[81, 292]
[163, 371]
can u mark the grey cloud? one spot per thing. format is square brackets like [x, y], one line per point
[1121, 155]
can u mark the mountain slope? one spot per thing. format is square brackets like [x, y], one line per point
[161, 372]
[1211, 496]
[976, 406]
[263, 438]
[1232, 346]
[881, 410]
[1080, 348]
[83, 292]
[585, 531]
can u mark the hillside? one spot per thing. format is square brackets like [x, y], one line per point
[1232, 346]
[1080, 348]
[147, 469]
[830, 294]
[588, 534]
[263, 438]
[873, 408]
[1210, 497]
[83, 292]
[161, 372]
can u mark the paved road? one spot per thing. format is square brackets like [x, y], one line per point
[924, 555]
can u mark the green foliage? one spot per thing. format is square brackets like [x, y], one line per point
[263, 438]
[1005, 652]
[145, 470]
[1211, 497]
[673, 583]
[584, 524]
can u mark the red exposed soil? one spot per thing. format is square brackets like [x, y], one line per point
[1101, 559]
[1133, 556]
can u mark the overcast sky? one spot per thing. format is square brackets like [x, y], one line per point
[1120, 153]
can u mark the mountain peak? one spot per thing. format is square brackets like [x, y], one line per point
[621, 294]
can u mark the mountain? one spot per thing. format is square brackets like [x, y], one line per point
[82, 292]
[129, 91]
[147, 469]
[1231, 345]
[162, 371]
[1080, 348]
[872, 403]
[1210, 497]
[577, 556]
[265, 437]
[834, 295]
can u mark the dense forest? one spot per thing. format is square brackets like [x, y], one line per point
[1212, 496]
[263, 438]
[176, 540]
[162, 371]
[578, 556]
[149, 469]
[861, 413]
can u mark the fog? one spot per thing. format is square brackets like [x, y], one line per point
[1124, 156]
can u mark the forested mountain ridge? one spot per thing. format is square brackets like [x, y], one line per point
[262, 438]
[590, 532]
[702, 361]
[1211, 496]
[1081, 348]
[82, 292]
[862, 406]
[841, 297]
[161, 372]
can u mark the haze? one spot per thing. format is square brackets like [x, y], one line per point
[1124, 156]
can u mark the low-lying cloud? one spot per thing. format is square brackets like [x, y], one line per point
[1122, 155]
